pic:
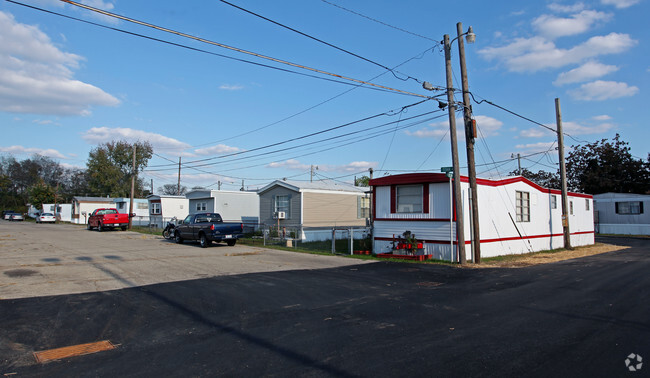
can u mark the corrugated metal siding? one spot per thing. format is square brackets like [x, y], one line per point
[321, 209]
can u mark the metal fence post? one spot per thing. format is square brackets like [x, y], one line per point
[333, 240]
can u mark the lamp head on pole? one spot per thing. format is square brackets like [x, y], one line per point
[470, 37]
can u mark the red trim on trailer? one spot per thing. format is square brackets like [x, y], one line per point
[491, 240]
[412, 220]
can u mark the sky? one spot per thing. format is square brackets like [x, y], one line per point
[298, 104]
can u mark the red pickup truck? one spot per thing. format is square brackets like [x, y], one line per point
[107, 219]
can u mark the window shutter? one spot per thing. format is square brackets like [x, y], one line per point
[616, 207]
[425, 199]
[641, 207]
[393, 199]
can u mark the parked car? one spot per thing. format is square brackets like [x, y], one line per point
[46, 218]
[107, 219]
[206, 228]
[17, 217]
[6, 214]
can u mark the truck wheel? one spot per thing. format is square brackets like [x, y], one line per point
[179, 240]
[89, 227]
[231, 243]
[204, 241]
[100, 227]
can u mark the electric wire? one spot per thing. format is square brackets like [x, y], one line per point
[380, 22]
[218, 44]
[321, 41]
[304, 136]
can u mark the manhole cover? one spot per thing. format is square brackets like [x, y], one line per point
[20, 273]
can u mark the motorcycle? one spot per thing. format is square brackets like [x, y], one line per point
[168, 232]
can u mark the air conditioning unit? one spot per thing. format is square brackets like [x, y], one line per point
[281, 215]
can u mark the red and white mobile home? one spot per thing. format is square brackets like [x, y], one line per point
[515, 215]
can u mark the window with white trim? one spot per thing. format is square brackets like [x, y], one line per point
[155, 208]
[553, 201]
[409, 198]
[363, 207]
[587, 204]
[570, 207]
[281, 203]
[201, 206]
[522, 203]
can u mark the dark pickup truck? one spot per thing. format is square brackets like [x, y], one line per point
[208, 228]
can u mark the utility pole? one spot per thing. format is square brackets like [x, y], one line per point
[460, 228]
[565, 199]
[470, 132]
[518, 162]
[152, 186]
[311, 173]
[133, 173]
[178, 186]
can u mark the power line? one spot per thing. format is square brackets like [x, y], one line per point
[203, 40]
[320, 41]
[418, 56]
[380, 22]
[304, 136]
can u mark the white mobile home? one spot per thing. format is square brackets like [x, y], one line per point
[162, 208]
[141, 209]
[515, 215]
[83, 206]
[622, 213]
[63, 211]
[234, 206]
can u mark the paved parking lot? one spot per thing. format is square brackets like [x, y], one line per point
[53, 259]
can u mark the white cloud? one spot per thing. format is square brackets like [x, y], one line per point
[535, 147]
[219, 149]
[291, 164]
[36, 77]
[560, 8]
[537, 53]
[355, 166]
[620, 3]
[535, 133]
[574, 128]
[588, 71]
[603, 90]
[97, 135]
[603, 117]
[231, 87]
[20, 150]
[553, 27]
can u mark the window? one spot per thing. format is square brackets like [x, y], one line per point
[586, 204]
[121, 205]
[142, 206]
[522, 202]
[409, 198]
[281, 204]
[570, 207]
[155, 208]
[635, 207]
[363, 207]
[554, 201]
[201, 206]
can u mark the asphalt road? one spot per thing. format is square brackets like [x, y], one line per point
[574, 318]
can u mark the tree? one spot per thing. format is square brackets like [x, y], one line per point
[542, 178]
[41, 193]
[109, 168]
[172, 190]
[605, 166]
[362, 181]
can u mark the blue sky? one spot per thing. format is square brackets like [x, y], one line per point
[67, 86]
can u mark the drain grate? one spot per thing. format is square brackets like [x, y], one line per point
[72, 351]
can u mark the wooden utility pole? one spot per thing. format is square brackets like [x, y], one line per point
[565, 199]
[178, 186]
[133, 173]
[469, 143]
[460, 228]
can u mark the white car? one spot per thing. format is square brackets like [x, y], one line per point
[17, 217]
[46, 218]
